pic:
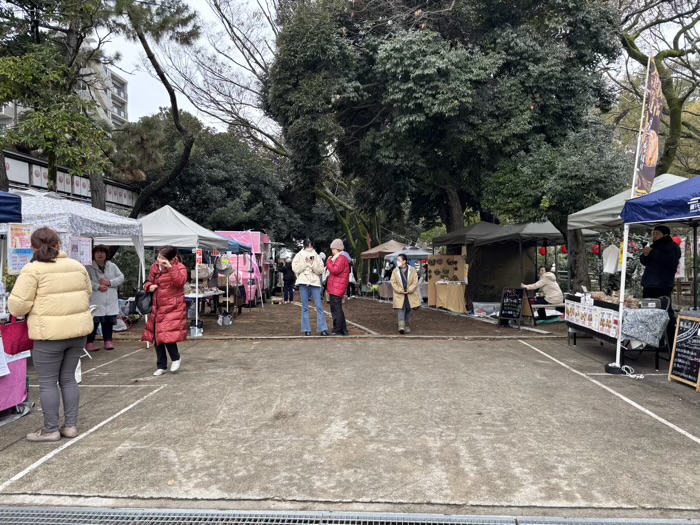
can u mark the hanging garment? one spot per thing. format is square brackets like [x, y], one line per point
[611, 259]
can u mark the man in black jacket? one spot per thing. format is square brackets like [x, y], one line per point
[660, 261]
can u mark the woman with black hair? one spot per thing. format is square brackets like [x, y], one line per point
[106, 277]
[167, 324]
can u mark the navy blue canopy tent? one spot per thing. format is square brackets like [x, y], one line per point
[10, 207]
[236, 247]
[677, 204]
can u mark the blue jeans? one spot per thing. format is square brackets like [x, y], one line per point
[307, 291]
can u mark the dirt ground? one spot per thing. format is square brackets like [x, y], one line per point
[365, 317]
[380, 317]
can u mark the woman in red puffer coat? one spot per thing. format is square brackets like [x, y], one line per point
[167, 324]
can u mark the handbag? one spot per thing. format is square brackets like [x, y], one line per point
[15, 337]
[144, 302]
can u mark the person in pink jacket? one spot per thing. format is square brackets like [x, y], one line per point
[339, 267]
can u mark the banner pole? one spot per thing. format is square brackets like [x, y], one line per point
[625, 239]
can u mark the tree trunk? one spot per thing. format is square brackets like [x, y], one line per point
[53, 170]
[675, 110]
[451, 211]
[578, 262]
[98, 191]
[186, 137]
[4, 181]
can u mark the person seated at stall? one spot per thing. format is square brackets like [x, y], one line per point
[550, 292]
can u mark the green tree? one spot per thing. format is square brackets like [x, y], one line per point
[415, 100]
[228, 184]
[45, 57]
[552, 182]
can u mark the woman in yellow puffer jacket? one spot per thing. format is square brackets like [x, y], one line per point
[54, 292]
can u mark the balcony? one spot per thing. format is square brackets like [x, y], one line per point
[119, 94]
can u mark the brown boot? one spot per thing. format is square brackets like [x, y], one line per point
[402, 327]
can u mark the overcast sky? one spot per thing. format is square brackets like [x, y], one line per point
[146, 94]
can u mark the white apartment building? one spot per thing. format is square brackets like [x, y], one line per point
[109, 91]
[102, 85]
[8, 115]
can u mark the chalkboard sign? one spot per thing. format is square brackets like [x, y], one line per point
[685, 360]
[512, 305]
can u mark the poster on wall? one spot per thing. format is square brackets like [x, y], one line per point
[19, 250]
[81, 249]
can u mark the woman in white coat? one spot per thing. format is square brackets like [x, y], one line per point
[106, 278]
[308, 267]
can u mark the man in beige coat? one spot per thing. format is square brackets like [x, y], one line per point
[404, 281]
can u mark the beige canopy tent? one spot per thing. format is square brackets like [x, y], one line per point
[378, 252]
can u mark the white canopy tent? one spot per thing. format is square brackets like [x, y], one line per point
[411, 252]
[167, 226]
[606, 214]
[75, 219]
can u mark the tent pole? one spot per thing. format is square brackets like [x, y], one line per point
[520, 244]
[623, 279]
[570, 246]
[546, 253]
[695, 266]
[196, 297]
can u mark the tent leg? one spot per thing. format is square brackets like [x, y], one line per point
[520, 244]
[695, 266]
[623, 281]
[570, 246]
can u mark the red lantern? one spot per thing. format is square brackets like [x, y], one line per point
[564, 250]
[596, 249]
[543, 251]
[677, 240]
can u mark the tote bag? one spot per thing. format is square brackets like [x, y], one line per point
[15, 337]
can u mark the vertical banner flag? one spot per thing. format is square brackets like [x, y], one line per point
[649, 134]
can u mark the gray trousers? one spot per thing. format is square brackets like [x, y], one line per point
[405, 312]
[55, 363]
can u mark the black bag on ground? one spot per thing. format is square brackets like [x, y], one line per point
[144, 302]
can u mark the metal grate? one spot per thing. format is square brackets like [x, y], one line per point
[88, 516]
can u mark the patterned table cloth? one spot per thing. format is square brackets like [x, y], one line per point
[645, 325]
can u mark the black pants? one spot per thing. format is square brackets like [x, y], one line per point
[541, 312]
[106, 332]
[162, 358]
[655, 293]
[339, 324]
[352, 289]
[289, 291]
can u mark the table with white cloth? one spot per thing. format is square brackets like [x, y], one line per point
[451, 296]
[206, 295]
[641, 328]
[386, 291]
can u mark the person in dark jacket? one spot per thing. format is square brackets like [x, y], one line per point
[339, 267]
[167, 324]
[660, 261]
[289, 278]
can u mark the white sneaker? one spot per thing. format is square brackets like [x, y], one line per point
[175, 366]
[159, 372]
